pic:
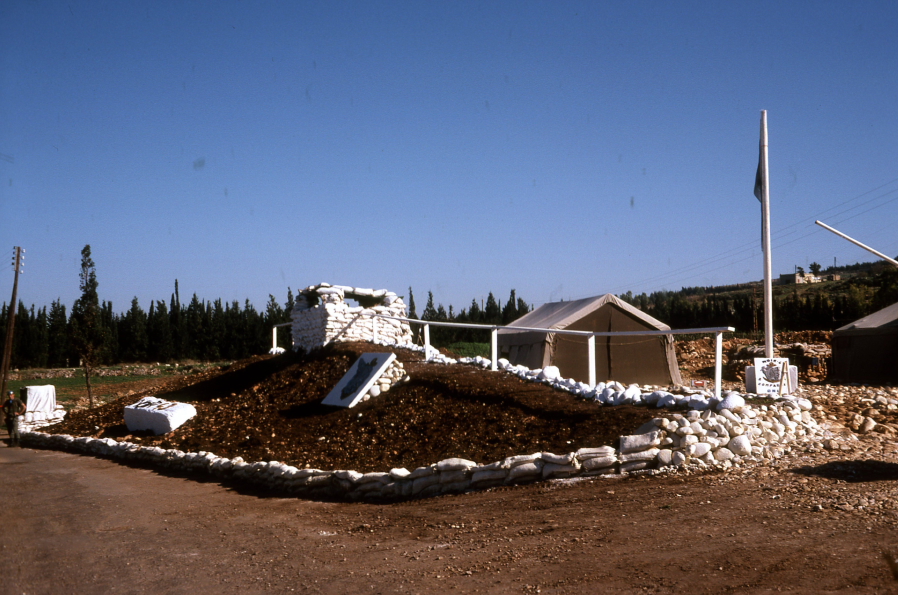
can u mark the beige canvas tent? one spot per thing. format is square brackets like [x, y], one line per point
[867, 349]
[641, 359]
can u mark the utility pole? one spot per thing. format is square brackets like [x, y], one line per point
[18, 261]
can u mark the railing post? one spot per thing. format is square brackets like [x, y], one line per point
[718, 356]
[426, 342]
[591, 343]
[494, 348]
[274, 337]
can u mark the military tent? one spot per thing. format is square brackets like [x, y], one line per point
[867, 349]
[642, 359]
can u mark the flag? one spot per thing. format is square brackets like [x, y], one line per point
[759, 177]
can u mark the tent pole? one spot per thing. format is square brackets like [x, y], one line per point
[591, 343]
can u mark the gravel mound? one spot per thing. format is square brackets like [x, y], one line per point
[268, 408]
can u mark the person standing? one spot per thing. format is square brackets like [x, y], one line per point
[12, 409]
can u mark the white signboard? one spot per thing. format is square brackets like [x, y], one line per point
[360, 377]
[769, 376]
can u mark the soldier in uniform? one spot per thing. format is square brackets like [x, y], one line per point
[12, 409]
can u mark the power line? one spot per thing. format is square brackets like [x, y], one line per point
[779, 234]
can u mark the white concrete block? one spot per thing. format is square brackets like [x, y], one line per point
[158, 415]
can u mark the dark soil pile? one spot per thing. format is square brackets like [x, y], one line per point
[268, 408]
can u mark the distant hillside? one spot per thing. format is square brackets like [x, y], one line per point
[863, 289]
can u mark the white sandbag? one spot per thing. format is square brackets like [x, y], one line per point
[158, 415]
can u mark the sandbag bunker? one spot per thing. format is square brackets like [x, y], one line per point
[712, 432]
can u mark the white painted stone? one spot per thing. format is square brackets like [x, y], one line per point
[740, 445]
[697, 402]
[549, 373]
[688, 439]
[667, 400]
[699, 449]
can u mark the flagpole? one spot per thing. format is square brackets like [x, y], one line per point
[765, 239]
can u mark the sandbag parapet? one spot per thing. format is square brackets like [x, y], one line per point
[742, 435]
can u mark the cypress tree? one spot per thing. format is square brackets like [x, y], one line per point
[88, 334]
[133, 338]
[57, 336]
[159, 333]
[510, 311]
[492, 313]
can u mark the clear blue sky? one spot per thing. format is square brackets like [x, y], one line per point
[564, 149]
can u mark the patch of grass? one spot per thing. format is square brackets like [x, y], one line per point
[68, 390]
[470, 349]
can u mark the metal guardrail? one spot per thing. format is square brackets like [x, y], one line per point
[590, 341]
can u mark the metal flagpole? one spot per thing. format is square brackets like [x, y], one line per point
[765, 240]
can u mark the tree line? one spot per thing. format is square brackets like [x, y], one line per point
[491, 312]
[792, 311]
[201, 330]
[206, 330]
[92, 333]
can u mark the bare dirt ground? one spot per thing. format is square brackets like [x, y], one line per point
[819, 521]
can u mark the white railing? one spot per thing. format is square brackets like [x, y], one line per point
[274, 333]
[590, 339]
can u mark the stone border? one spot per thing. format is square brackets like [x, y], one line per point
[610, 393]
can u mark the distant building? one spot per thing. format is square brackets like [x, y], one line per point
[799, 278]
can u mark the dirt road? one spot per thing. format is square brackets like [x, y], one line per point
[77, 524]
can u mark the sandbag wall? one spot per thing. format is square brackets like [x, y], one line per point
[739, 436]
[321, 315]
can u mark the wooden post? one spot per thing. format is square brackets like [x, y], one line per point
[426, 342]
[10, 324]
[785, 381]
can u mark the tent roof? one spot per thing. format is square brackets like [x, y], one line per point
[559, 315]
[885, 320]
